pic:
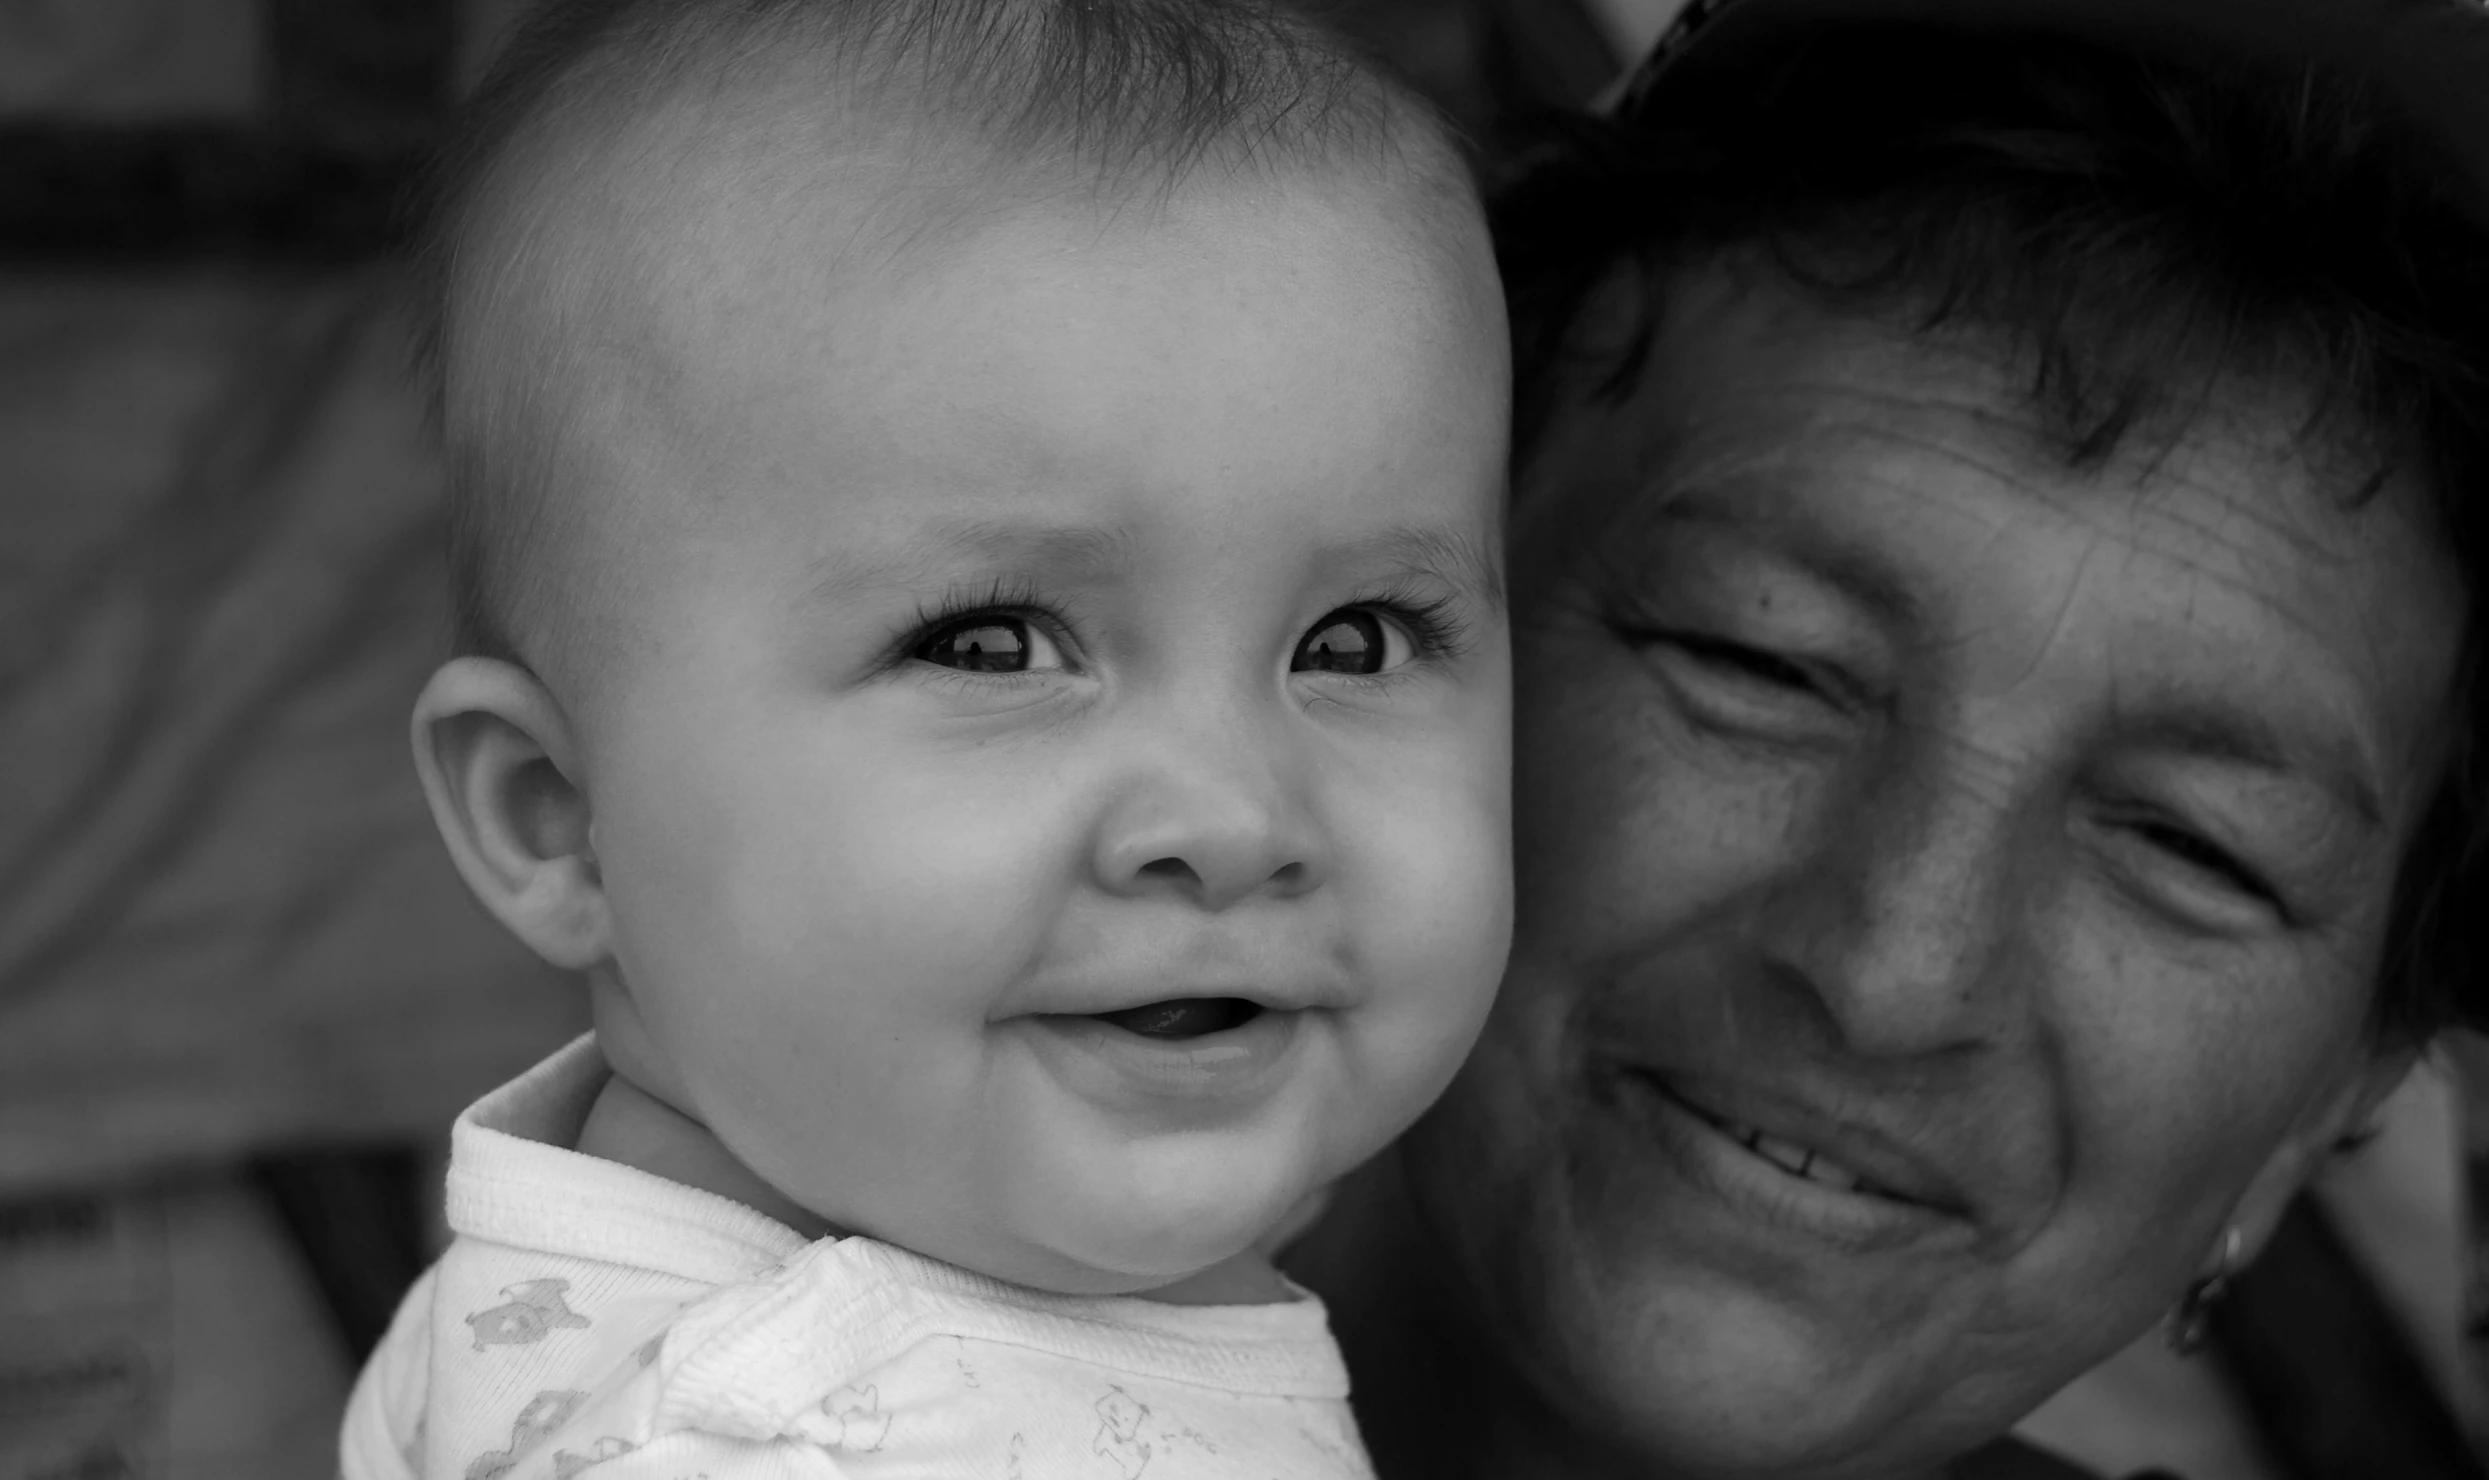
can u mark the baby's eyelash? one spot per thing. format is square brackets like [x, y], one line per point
[1006, 596]
[1433, 619]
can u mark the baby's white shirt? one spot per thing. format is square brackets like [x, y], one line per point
[592, 1318]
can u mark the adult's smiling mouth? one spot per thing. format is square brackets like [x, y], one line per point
[1835, 1178]
[1791, 1157]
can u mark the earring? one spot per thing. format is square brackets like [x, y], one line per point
[2191, 1321]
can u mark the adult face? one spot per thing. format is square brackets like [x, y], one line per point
[1951, 886]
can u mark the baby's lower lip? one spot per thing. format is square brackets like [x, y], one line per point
[1162, 1065]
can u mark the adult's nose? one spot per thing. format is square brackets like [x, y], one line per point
[1903, 915]
[1215, 807]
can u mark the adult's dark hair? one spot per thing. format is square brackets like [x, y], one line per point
[2137, 232]
[1126, 96]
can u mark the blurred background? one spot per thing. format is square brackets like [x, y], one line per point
[242, 994]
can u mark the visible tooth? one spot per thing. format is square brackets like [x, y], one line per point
[1835, 1176]
[1786, 1155]
[1791, 1157]
[1794, 1159]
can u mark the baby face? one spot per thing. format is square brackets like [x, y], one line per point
[1048, 768]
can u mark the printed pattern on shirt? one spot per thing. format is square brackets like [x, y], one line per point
[533, 1310]
[732, 1388]
[560, 1336]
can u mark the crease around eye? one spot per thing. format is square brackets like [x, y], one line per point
[1738, 660]
[2210, 860]
[1747, 662]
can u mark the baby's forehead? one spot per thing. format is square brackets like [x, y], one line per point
[686, 245]
[861, 147]
[712, 318]
[662, 273]
[647, 195]
[1099, 366]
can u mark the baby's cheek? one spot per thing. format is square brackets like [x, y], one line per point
[1449, 889]
[868, 864]
[1437, 934]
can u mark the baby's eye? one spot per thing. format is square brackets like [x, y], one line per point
[990, 643]
[1353, 639]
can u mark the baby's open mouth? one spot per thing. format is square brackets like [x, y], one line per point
[1183, 1017]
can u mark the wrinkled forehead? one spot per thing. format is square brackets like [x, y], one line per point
[1728, 358]
[1913, 475]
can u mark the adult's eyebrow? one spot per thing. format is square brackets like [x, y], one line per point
[2334, 763]
[1080, 551]
[2211, 727]
[1857, 571]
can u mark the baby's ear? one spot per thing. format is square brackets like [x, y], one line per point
[496, 758]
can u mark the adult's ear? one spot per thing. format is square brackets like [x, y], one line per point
[2330, 1121]
[497, 762]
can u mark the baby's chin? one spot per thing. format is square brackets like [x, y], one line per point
[1206, 1255]
[1245, 1276]
[1188, 1242]
[1200, 1258]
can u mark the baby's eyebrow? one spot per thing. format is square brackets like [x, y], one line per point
[1083, 549]
[1078, 550]
[1457, 556]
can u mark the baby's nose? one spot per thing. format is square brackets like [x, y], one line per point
[1218, 825]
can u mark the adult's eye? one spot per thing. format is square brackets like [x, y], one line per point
[2209, 862]
[1351, 640]
[990, 643]
[1745, 692]
[1740, 661]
